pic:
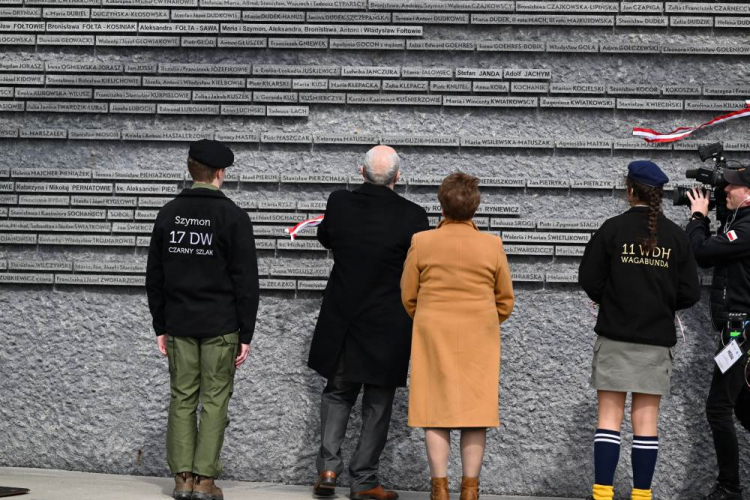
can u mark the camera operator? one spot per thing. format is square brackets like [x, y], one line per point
[729, 253]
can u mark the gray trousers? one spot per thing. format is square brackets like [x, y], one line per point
[336, 405]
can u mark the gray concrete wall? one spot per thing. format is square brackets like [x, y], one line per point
[84, 388]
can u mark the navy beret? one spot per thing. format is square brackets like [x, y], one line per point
[647, 172]
[212, 154]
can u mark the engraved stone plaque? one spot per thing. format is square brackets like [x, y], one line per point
[43, 200]
[529, 87]
[6, 187]
[243, 110]
[143, 175]
[20, 12]
[109, 267]
[26, 278]
[506, 142]
[502, 182]
[321, 98]
[639, 144]
[508, 223]
[135, 108]
[658, 104]
[299, 111]
[371, 71]
[187, 109]
[311, 285]
[726, 90]
[545, 237]
[573, 47]
[143, 241]
[132, 227]
[737, 146]
[395, 99]
[94, 134]
[475, 73]
[283, 137]
[56, 93]
[367, 44]
[295, 70]
[274, 218]
[446, 45]
[206, 69]
[21, 66]
[150, 189]
[354, 84]
[10, 199]
[307, 245]
[543, 20]
[527, 277]
[420, 140]
[55, 226]
[576, 88]
[301, 271]
[642, 7]
[33, 26]
[570, 251]
[695, 105]
[66, 107]
[288, 4]
[77, 26]
[691, 21]
[568, 277]
[269, 83]
[589, 225]
[537, 250]
[345, 139]
[548, 183]
[40, 265]
[429, 18]
[150, 3]
[496, 209]
[692, 48]
[57, 213]
[681, 90]
[8, 133]
[17, 239]
[350, 17]
[102, 80]
[222, 95]
[265, 96]
[132, 14]
[86, 240]
[313, 179]
[309, 84]
[260, 178]
[46, 133]
[320, 29]
[120, 214]
[11, 106]
[577, 102]
[630, 47]
[193, 81]
[707, 8]
[424, 180]
[272, 16]
[493, 102]
[566, 6]
[242, 42]
[441, 86]
[99, 280]
[146, 214]
[490, 87]
[138, 41]
[443, 5]
[686, 145]
[510, 46]
[426, 72]
[191, 28]
[8, 39]
[102, 201]
[21, 79]
[407, 85]
[527, 74]
[152, 202]
[165, 135]
[584, 143]
[277, 204]
[268, 284]
[651, 21]
[141, 68]
[261, 244]
[315, 206]
[204, 15]
[732, 22]
[636, 89]
[4, 171]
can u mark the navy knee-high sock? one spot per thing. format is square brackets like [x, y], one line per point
[645, 450]
[606, 456]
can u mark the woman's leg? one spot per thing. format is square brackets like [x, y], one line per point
[472, 451]
[645, 443]
[438, 442]
[607, 443]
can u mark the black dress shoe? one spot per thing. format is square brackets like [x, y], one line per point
[721, 493]
[325, 486]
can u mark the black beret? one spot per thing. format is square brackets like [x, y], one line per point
[212, 154]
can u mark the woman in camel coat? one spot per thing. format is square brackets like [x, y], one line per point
[456, 285]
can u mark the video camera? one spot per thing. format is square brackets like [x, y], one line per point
[712, 179]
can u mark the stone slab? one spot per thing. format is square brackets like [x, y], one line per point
[99, 280]
[86, 240]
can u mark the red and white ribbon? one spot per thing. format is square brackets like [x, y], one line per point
[650, 135]
[302, 225]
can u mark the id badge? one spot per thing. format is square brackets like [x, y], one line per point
[728, 356]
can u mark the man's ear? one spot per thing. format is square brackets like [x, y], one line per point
[362, 171]
[398, 177]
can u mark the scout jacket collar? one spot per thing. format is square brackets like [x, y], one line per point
[202, 193]
[370, 189]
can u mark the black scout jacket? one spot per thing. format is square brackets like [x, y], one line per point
[730, 258]
[639, 291]
[202, 272]
[369, 231]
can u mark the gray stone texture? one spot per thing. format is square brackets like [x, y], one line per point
[84, 388]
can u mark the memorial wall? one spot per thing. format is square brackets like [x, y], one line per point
[100, 98]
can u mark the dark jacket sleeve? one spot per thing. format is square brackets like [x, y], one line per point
[594, 269]
[243, 271]
[709, 249]
[324, 236]
[688, 284]
[155, 281]
[420, 222]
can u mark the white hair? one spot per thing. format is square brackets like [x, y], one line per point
[383, 176]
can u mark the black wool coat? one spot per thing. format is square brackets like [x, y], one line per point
[369, 232]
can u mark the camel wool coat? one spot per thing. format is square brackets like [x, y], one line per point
[456, 284]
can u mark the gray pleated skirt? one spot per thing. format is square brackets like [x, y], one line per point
[627, 367]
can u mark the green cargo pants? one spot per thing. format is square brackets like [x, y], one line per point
[205, 368]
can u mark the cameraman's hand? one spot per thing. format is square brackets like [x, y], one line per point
[698, 201]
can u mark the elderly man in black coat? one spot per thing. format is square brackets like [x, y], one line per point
[363, 334]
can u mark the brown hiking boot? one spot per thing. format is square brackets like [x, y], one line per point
[469, 488]
[206, 489]
[183, 486]
[439, 489]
